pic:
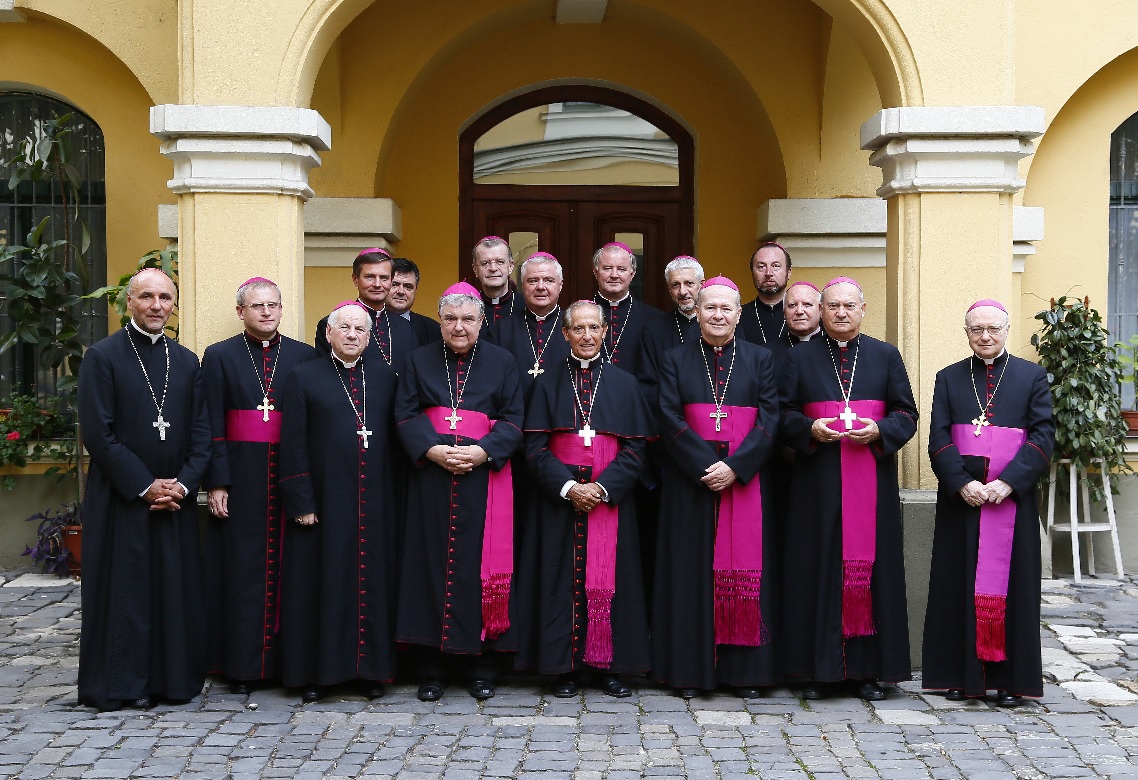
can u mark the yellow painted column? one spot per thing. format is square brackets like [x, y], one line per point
[949, 177]
[241, 173]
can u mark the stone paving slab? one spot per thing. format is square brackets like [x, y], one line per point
[1085, 726]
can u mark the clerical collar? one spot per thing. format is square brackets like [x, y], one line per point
[808, 336]
[406, 315]
[373, 312]
[688, 317]
[261, 342]
[771, 307]
[541, 317]
[843, 344]
[345, 364]
[154, 337]
[500, 298]
[990, 361]
[627, 295]
[582, 363]
[718, 350]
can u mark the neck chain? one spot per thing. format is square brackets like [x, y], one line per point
[616, 342]
[361, 413]
[455, 418]
[981, 420]
[587, 433]
[160, 424]
[718, 400]
[762, 330]
[387, 356]
[679, 327]
[267, 385]
[537, 369]
[847, 414]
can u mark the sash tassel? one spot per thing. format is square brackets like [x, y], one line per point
[495, 605]
[738, 611]
[598, 638]
[990, 629]
[857, 603]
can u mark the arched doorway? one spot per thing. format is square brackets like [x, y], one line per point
[603, 166]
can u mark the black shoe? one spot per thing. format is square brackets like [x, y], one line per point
[1005, 699]
[815, 692]
[372, 690]
[239, 688]
[481, 689]
[566, 687]
[746, 692]
[954, 694]
[430, 690]
[310, 695]
[612, 685]
[142, 703]
[869, 690]
[687, 693]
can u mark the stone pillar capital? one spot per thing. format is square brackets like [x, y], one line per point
[248, 149]
[951, 148]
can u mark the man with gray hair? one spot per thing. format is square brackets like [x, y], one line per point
[683, 275]
[243, 377]
[627, 320]
[534, 336]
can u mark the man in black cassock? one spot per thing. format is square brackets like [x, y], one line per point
[493, 265]
[763, 320]
[683, 275]
[243, 377]
[990, 442]
[143, 416]
[459, 417]
[715, 617]
[627, 320]
[405, 279]
[587, 427]
[339, 571]
[847, 408]
[392, 337]
[534, 336]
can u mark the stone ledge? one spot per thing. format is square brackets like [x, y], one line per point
[298, 124]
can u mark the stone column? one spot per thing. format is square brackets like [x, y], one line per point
[949, 177]
[241, 176]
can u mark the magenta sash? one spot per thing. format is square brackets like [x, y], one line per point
[738, 556]
[250, 425]
[997, 525]
[859, 514]
[498, 530]
[600, 555]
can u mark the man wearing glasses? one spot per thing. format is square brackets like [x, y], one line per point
[990, 441]
[243, 377]
[494, 268]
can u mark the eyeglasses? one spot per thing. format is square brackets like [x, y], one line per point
[980, 330]
[262, 307]
[493, 262]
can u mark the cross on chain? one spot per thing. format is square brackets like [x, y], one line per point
[266, 407]
[980, 422]
[161, 425]
[363, 433]
[847, 416]
[587, 433]
[718, 417]
[453, 419]
[535, 370]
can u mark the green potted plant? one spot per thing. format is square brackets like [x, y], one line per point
[1128, 357]
[31, 433]
[1084, 372]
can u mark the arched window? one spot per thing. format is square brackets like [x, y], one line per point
[21, 209]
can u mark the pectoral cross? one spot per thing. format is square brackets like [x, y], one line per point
[847, 416]
[587, 434]
[980, 422]
[266, 407]
[718, 416]
[453, 419]
[161, 425]
[363, 433]
[535, 370]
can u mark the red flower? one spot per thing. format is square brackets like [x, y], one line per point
[14, 436]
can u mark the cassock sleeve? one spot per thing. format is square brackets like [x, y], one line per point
[689, 452]
[794, 425]
[1032, 459]
[759, 444]
[505, 437]
[416, 433]
[648, 372]
[900, 423]
[123, 469]
[947, 462]
[322, 346]
[213, 378]
[197, 453]
[298, 493]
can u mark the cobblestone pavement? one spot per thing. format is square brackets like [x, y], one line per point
[1086, 725]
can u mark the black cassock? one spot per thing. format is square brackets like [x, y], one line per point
[765, 325]
[242, 552]
[143, 605]
[440, 594]
[684, 652]
[498, 309]
[812, 608]
[525, 336]
[392, 338]
[627, 323]
[1023, 401]
[551, 587]
[675, 329]
[338, 576]
[426, 329]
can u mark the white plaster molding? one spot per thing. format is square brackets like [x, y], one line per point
[1027, 227]
[258, 149]
[581, 11]
[951, 148]
[8, 12]
[827, 232]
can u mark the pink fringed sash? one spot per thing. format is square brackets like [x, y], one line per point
[498, 532]
[738, 556]
[600, 555]
[997, 527]
[859, 514]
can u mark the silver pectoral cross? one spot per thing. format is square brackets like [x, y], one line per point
[266, 407]
[453, 419]
[587, 434]
[980, 422]
[718, 416]
[537, 369]
[848, 417]
[363, 433]
[161, 425]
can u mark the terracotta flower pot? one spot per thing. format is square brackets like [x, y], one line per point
[73, 541]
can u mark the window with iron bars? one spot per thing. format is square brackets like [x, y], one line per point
[21, 209]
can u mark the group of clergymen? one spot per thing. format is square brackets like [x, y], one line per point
[707, 497]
